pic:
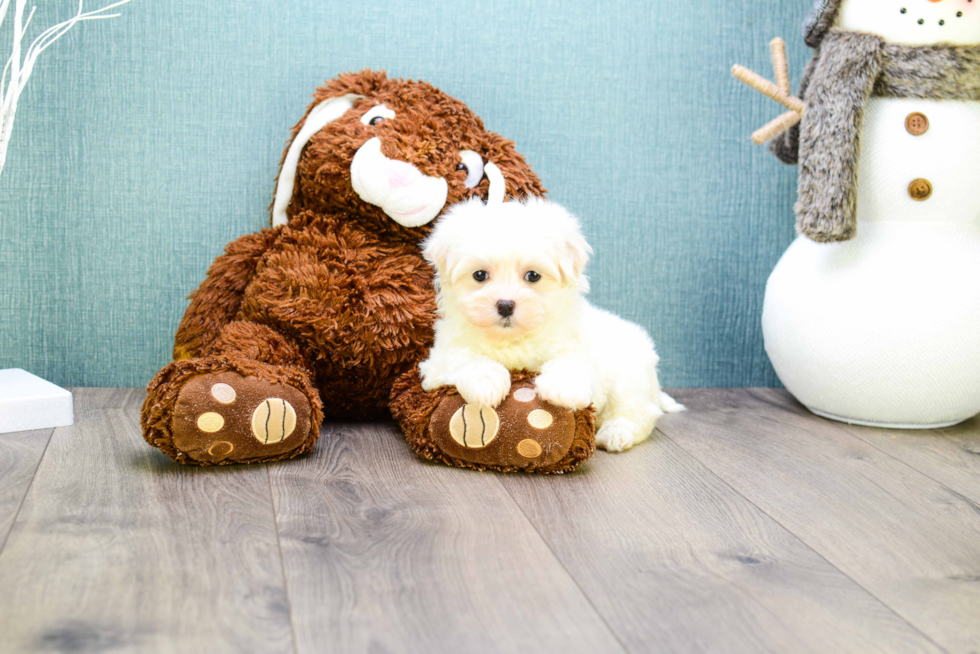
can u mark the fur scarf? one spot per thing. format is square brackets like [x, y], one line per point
[847, 69]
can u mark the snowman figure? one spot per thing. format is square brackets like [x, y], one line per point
[872, 316]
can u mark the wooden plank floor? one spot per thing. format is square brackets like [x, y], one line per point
[745, 525]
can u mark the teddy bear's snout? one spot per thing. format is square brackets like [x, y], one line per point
[402, 174]
[406, 195]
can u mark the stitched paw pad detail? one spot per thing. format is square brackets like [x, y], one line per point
[474, 426]
[273, 421]
[523, 431]
[226, 416]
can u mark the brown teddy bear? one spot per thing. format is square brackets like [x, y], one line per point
[321, 314]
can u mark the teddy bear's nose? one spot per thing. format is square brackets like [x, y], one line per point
[401, 174]
[505, 308]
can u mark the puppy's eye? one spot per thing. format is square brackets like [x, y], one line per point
[377, 114]
[481, 275]
[472, 163]
[532, 277]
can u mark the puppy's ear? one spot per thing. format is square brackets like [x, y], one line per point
[437, 250]
[572, 250]
[442, 248]
[572, 256]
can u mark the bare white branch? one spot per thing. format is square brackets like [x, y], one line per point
[4, 5]
[19, 67]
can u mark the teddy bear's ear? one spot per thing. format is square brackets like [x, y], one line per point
[520, 180]
[330, 102]
[498, 184]
[319, 117]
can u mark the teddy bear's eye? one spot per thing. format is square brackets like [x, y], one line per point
[532, 277]
[472, 163]
[377, 114]
[481, 275]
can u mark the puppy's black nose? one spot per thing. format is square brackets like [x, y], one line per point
[505, 308]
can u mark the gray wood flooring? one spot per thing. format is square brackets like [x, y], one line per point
[745, 525]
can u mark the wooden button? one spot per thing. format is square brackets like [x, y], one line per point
[920, 190]
[917, 124]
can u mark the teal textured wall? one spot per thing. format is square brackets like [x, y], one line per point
[149, 141]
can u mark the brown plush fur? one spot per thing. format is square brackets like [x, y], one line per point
[413, 407]
[339, 302]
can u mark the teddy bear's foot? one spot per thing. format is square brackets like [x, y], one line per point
[225, 417]
[219, 410]
[524, 433]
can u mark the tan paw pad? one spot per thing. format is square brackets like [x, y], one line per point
[273, 421]
[223, 393]
[210, 422]
[525, 395]
[221, 449]
[529, 449]
[540, 419]
[474, 426]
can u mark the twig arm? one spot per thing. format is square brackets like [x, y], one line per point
[780, 91]
[780, 65]
[776, 127]
[766, 88]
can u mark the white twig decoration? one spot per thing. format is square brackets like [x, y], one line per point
[780, 92]
[19, 68]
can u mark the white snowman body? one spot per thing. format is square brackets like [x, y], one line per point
[884, 329]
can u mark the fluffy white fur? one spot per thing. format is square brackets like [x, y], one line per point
[584, 355]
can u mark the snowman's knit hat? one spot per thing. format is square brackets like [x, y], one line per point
[819, 21]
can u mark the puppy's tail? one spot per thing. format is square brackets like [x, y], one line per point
[670, 405]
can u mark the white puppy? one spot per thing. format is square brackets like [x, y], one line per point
[511, 288]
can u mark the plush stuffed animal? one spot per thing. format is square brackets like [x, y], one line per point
[319, 315]
[872, 314]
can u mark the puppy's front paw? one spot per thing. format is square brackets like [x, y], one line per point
[483, 384]
[618, 435]
[573, 392]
